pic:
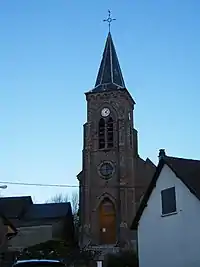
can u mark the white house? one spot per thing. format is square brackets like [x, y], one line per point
[168, 218]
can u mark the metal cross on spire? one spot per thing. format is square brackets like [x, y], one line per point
[109, 19]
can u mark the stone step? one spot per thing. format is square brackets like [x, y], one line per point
[104, 250]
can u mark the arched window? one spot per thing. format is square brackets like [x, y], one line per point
[110, 133]
[102, 133]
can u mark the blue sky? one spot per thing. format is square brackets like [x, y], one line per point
[50, 53]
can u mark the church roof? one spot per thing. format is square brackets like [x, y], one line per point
[187, 170]
[110, 75]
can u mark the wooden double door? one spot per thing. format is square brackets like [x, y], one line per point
[107, 222]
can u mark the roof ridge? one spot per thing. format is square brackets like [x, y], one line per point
[52, 203]
[179, 158]
[12, 197]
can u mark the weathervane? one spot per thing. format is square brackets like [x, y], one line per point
[109, 19]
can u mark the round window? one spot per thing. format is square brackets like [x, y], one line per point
[106, 170]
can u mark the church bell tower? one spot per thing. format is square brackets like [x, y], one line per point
[107, 180]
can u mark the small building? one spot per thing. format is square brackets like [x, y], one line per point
[168, 218]
[37, 223]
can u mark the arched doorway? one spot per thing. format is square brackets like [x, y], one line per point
[107, 219]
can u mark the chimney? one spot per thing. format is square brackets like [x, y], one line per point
[161, 154]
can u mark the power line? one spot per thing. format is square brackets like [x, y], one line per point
[44, 185]
[66, 186]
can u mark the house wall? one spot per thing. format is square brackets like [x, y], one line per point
[172, 240]
[29, 236]
[58, 229]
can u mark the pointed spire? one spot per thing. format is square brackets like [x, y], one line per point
[109, 75]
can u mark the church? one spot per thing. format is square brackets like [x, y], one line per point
[114, 177]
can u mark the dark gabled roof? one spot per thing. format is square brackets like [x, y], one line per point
[21, 211]
[187, 170]
[14, 207]
[110, 75]
[48, 211]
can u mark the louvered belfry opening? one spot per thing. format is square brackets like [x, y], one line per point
[110, 133]
[106, 134]
[101, 133]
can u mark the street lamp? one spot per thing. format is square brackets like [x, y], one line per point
[3, 186]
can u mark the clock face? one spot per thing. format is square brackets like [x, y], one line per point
[105, 112]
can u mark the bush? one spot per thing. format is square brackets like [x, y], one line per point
[122, 259]
[59, 250]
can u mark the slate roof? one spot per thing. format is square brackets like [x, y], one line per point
[47, 211]
[110, 75]
[187, 170]
[22, 212]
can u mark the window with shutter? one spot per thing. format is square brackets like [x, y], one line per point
[168, 199]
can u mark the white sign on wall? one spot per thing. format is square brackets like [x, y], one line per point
[99, 263]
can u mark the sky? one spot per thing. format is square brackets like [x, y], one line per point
[50, 53]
